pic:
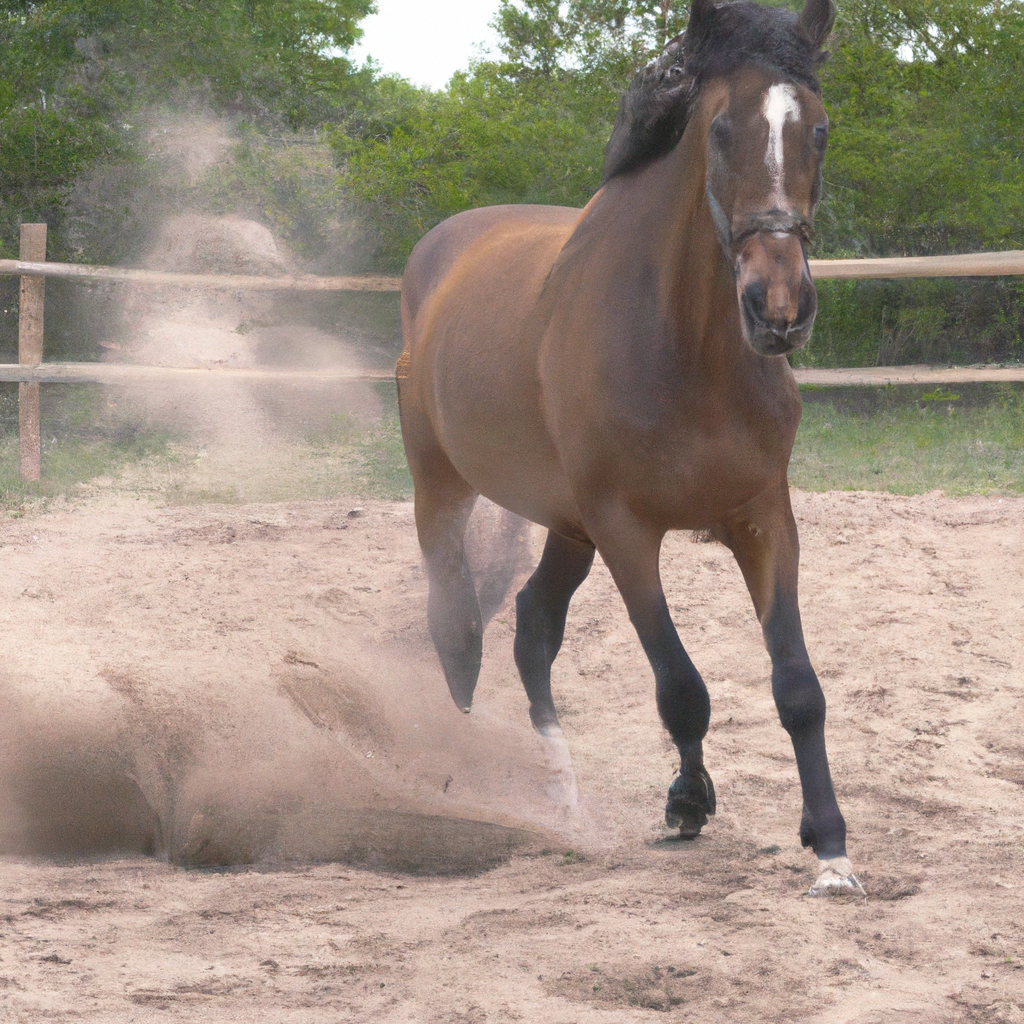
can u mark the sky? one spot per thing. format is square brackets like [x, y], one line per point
[425, 41]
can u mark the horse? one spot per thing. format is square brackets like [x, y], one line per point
[616, 372]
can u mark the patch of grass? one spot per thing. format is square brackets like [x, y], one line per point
[371, 457]
[887, 439]
[894, 439]
[84, 438]
[381, 470]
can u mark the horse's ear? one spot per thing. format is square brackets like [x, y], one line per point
[674, 45]
[700, 10]
[816, 20]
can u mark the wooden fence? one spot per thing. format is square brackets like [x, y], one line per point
[33, 269]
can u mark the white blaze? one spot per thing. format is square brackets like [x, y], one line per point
[780, 106]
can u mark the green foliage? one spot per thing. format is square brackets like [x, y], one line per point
[610, 38]
[42, 153]
[412, 157]
[925, 154]
[290, 183]
[75, 72]
[939, 320]
[925, 157]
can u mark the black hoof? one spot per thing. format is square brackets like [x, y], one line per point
[691, 801]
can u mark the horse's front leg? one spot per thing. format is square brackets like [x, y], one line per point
[631, 550]
[763, 537]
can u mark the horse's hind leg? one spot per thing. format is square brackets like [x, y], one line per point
[764, 540]
[443, 502]
[541, 608]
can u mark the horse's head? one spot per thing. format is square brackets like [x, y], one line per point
[765, 148]
[766, 137]
[746, 77]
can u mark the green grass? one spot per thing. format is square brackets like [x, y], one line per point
[907, 442]
[84, 438]
[371, 456]
[964, 440]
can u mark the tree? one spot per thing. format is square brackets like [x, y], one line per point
[611, 36]
[530, 127]
[925, 157]
[926, 152]
[74, 72]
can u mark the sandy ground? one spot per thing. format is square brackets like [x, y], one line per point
[254, 683]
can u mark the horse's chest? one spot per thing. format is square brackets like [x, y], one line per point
[686, 455]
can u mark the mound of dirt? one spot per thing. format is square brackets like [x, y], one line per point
[195, 243]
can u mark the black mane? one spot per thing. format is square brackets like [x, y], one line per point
[655, 109]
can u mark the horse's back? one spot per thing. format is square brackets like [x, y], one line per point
[435, 255]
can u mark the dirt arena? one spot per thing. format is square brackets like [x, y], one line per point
[248, 694]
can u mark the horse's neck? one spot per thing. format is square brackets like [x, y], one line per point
[673, 233]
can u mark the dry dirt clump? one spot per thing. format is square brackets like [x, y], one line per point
[233, 784]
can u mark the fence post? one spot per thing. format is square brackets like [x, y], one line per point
[30, 348]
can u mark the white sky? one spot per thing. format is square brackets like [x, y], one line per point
[425, 41]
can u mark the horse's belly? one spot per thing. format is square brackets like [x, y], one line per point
[489, 421]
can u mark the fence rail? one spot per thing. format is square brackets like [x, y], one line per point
[33, 269]
[978, 264]
[242, 282]
[974, 264]
[128, 373]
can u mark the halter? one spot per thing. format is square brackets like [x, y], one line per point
[775, 222]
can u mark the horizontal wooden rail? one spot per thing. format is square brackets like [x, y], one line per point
[248, 282]
[127, 373]
[878, 376]
[974, 264]
[978, 264]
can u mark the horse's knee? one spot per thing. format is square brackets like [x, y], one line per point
[798, 697]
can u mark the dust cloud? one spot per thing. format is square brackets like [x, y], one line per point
[331, 762]
[241, 425]
[130, 725]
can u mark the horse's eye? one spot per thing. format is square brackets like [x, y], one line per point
[721, 131]
[821, 136]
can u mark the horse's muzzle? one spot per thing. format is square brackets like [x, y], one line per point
[777, 298]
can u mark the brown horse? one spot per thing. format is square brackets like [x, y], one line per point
[618, 372]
